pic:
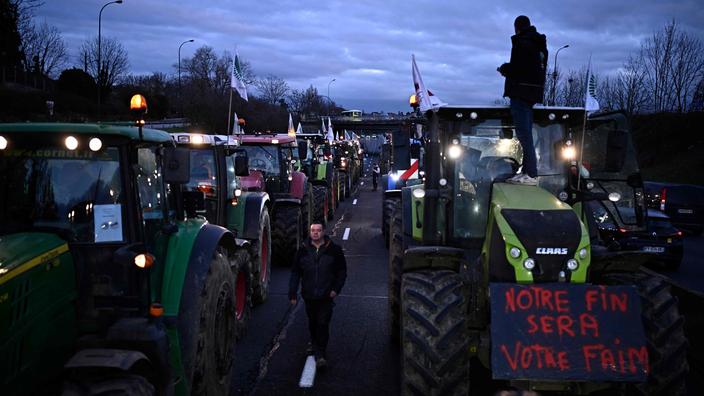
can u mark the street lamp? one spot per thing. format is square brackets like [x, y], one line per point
[554, 75]
[331, 81]
[100, 67]
[179, 68]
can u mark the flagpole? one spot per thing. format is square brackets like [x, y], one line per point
[584, 125]
[229, 112]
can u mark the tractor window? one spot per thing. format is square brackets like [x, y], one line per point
[264, 158]
[149, 187]
[203, 176]
[77, 194]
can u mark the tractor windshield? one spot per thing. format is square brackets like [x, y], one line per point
[608, 160]
[489, 151]
[264, 158]
[75, 193]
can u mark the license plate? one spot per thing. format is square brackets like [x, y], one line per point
[685, 211]
[653, 249]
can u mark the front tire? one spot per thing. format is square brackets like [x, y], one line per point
[396, 250]
[262, 260]
[210, 359]
[286, 233]
[434, 338]
[386, 211]
[240, 266]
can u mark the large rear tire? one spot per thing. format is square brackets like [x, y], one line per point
[664, 333]
[114, 384]
[434, 338]
[396, 250]
[286, 233]
[306, 210]
[240, 266]
[386, 210]
[261, 262]
[208, 368]
[320, 204]
[331, 203]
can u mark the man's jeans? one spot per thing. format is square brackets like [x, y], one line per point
[522, 113]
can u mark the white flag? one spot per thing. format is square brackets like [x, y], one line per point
[331, 134]
[237, 79]
[291, 131]
[322, 122]
[299, 129]
[236, 128]
[425, 98]
[590, 102]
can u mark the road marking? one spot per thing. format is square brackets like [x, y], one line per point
[361, 183]
[308, 374]
[354, 202]
[346, 234]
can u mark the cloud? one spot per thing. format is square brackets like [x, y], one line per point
[366, 45]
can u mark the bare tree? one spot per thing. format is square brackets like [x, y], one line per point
[44, 49]
[306, 102]
[272, 89]
[687, 67]
[113, 59]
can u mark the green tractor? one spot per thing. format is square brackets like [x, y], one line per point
[271, 163]
[216, 165]
[317, 164]
[486, 276]
[109, 281]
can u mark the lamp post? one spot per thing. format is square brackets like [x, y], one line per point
[100, 67]
[554, 75]
[179, 71]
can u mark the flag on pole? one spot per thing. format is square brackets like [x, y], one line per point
[322, 123]
[291, 131]
[299, 129]
[237, 80]
[331, 134]
[590, 102]
[424, 96]
[236, 128]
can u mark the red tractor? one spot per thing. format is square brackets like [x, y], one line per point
[271, 163]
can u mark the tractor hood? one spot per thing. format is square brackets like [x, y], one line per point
[22, 251]
[525, 197]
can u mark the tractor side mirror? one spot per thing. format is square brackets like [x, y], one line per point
[177, 165]
[241, 165]
[303, 149]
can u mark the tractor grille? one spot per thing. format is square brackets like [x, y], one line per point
[544, 233]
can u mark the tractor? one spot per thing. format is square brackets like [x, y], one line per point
[271, 163]
[110, 282]
[215, 171]
[348, 162]
[318, 166]
[490, 277]
[406, 168]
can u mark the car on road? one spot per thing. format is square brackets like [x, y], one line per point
[660, 238]
[684, 203]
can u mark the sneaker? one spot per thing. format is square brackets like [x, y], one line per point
[523, 179]
[320, 362]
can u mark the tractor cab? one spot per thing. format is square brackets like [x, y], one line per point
[271, 158]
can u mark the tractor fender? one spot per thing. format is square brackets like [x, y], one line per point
[254, 204]
[299, 184]
[121, 359]
[287, 202]
[392, 194]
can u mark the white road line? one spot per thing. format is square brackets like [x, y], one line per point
[354, 202]
[346, 234]
[308, 374]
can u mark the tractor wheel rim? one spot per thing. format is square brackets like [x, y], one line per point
[240, 295]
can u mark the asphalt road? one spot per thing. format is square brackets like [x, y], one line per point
[361, 357]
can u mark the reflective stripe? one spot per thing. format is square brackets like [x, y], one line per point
[20, 269]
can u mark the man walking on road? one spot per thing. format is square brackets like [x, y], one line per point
[376, 172]
[525, 81]
[320, 266]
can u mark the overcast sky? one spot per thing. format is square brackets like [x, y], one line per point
[367, 45]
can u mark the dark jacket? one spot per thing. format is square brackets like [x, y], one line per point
[321, 270]
[525, 73]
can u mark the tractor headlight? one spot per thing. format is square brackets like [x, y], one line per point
[71, 143]
[3, 143]
[442, 182]
[455, 151]
[197, 139]
[569, 153]
[515, 252]
[419, 193]
[95, 144]
[143, 260]
[583, 253]
[590, 185]
[529, 264]
[572, 264]
[614, 197]
[395, 176]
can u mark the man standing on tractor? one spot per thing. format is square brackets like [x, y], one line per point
[321, 266]
[525, 80]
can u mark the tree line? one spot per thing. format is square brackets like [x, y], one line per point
[666, 74]
[199, 90]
